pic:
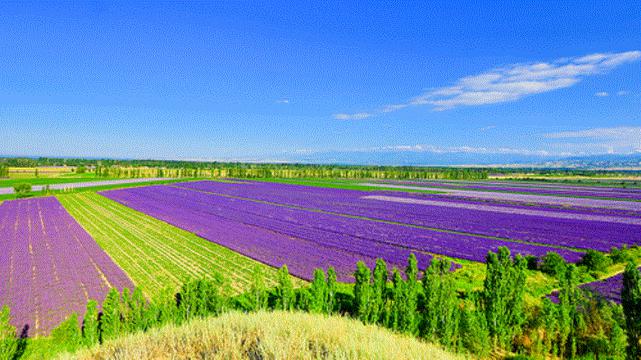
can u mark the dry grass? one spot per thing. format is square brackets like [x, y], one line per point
[277, 335]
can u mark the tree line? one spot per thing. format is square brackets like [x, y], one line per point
[147, 168]
[495, 320]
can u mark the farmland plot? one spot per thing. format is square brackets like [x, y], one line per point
[371, 239]
[574, 232]
[155, 254]
[535, 189]
[300, 253]
[49, 266]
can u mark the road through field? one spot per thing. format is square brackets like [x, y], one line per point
[9, 190]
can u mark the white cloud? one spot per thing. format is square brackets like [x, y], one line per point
[425, 148]
[510, 83]
[619, 140]
[357, 116]
[601, 94]
[622, 93]
[282, 101]
[621, 132]
[486, 128]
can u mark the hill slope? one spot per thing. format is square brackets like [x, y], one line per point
[264, 335]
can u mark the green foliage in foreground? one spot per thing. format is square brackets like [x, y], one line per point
[492, 320]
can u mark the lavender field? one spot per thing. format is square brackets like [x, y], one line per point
[361, 238]
[574, 231]
[49, 265]
[536, 189]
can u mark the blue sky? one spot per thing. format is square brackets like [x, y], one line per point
[417, 82]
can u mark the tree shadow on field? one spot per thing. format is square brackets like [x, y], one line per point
[22, 342]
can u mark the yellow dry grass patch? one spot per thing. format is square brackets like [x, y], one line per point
[265, 335]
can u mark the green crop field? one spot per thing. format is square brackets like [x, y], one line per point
[155, 254]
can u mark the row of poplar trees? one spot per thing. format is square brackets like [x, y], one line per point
[494, 320]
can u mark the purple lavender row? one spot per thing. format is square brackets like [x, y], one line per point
[605, 193]
[392, 242]
[302, 256]
[519, 184]
[537, 229]
[500, 201]
[50, 266]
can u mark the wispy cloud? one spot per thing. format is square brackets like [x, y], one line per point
[486, 128]
[622, 92]
[434, 149]
[509, 83]
[620, 132]
[621, 139]
[601, 94]
[282, 101]
[356, 116]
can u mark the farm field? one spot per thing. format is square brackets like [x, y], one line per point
[49, 266]
[364, 238]
[269, 240]
[631, 194]
[155, 254]
[576, 232]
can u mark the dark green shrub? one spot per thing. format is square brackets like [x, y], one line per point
[22, 190]
[595, 261]
[553, 264]
[621, 256]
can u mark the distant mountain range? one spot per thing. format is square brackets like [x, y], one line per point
[626, 162]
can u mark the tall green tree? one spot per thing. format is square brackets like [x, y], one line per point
[502, 296]
[90, 334]
[330, 302]
[570, 319]
[258, 291]
[631, 301]
[397, 301]
[410, 320]
[110, 320]
[379, 287]
[440, 315]
[285, 296]
[318, 291]
[362, 291]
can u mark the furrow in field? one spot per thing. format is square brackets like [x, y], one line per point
[202, 255]
[176, 255]
[50, 266]
[197, 247]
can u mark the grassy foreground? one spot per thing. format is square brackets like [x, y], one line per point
[266, 335]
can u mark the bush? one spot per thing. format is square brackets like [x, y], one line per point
[553, 264]
[621, 256]
[595, 261]
[22, 189]
[532, 262]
